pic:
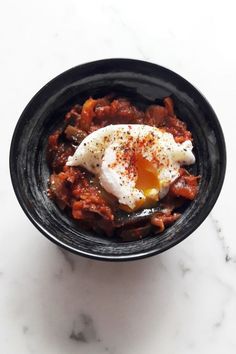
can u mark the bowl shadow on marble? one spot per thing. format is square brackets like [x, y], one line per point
[98, 304]
[121, 300]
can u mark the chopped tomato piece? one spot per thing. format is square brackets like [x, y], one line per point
[185, 186]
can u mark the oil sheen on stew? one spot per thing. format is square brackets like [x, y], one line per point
[109, 149]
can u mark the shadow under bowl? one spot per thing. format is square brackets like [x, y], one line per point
[145, 84]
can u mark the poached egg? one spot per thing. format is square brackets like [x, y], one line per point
[136, 163]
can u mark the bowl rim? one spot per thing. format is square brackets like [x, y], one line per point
[128, 257]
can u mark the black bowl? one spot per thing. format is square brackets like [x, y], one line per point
[144, 83]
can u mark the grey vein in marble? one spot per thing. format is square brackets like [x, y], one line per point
[228, 287]
[83, 330]
[183, 268]
[59, 275]
[129, 30]
[79, 337]
[186, 295]
[220, 321]
[25, 329]
[221, 238]
[68, 259]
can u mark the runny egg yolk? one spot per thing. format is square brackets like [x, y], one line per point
[147, 182]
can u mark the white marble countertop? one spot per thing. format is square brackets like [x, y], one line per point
[183, 301]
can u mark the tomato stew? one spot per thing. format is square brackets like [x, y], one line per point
[79, 193]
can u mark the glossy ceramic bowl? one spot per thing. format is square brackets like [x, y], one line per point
[143, 82]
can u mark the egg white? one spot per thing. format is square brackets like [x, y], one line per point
[104, 153]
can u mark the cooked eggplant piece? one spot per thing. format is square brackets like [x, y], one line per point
[123, 219]
[74, 134]
[135, 233]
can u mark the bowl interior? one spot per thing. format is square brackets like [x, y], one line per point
[144, 84]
